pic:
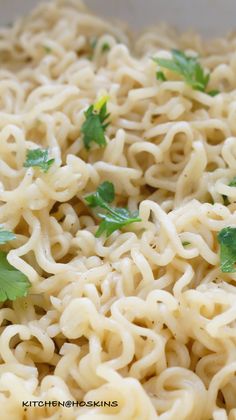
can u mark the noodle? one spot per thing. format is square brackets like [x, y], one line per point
[137, 319]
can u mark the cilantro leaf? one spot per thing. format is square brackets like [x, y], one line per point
[93, 43]
[47, 49]
[187, 67]
[115, 220]
[13, 283]
[95, 124]
[112, 218]
[104, 194]
[38, 158]
[227, 240]
[6, 236]
[213, 92]
[105, 47]
[160, 76]
[107, 191]
[232, 183]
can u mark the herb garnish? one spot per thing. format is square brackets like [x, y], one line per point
[93, 43]
[13, 283]
[95, 123]
[227, 240]
[185, 243]
[105, 47]
[47, 49]
[160, 76]
[113, 218]
[232, 183]
[38, 158]
[187, 67]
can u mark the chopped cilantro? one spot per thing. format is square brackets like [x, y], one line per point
[47, 49]
[213, 92]
[113, 218]
[38, 158]
[187, 67]
[13, 283]
[232, 183]
[227, 240]
[105, 47]
[93, 43]
[160, 76]
[95, 123]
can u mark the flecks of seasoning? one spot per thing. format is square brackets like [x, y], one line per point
[47, 49]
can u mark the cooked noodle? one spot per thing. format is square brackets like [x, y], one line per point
[137, 318]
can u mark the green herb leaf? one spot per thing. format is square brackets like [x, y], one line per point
[6, 236]
[187, 67]
[232, 183]
[13, 283]
[105, 47]
[160, 76]
[112, 218]
[47, 49]
[213, 92]
[116, 219]
[227, 240]
[186, 243]
[105, 193]
[38, 158]
[93, 43]
[95, 124]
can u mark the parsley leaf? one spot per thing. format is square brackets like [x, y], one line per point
[107, 191]
[105, 47]
[13, 283]
[213, 92]
[47, 49]
[232, 183]
[93, 43]
[115, 219]
[104, 194]
[189, 68]
[38, 158]
[6, 236]
[112, 218]
[227, 240]
[160, 76]
[95, 124]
